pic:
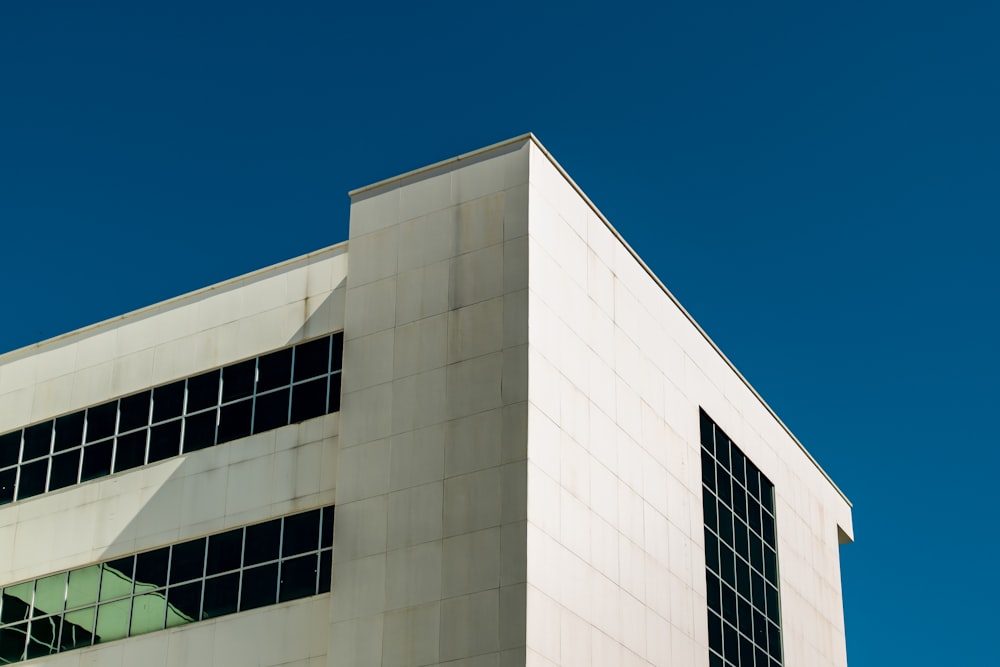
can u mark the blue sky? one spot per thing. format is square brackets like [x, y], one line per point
[816, 182]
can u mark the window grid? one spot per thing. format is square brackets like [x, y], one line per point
[741, 574]
[96, 442]
[123, 598]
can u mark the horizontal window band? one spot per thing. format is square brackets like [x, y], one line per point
[257, 565]
[284, 387]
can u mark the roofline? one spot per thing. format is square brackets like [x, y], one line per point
[164, 305]
[677, 303]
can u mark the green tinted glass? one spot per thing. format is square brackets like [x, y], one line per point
[112, 620]
[147, 612]
[49, 594]
[83, 586]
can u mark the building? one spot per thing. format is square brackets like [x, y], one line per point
[478, 433]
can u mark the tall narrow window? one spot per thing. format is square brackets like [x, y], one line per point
[741, 557]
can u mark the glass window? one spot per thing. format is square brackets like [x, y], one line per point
[199, 431]
[69, 431]
[183, 604]
[164, 441]
[333, 404]
[151, 569]
[96, 460]
[326, 537]
[78, 629]
[225, 552]
[168, 401]
[187, 561]
[271, 411]
[7, 479]
[309, 400]
[337, 350]
[17, 602]
[148, 612]
[37, 441]
[65, 470]
[112, 620]
[130, 450]
[221, 595]
[238, 380]
[298, 578]
[101, 421]
[12, 641]
[10, 448]
[83, 586]
[301, 533]
[274, 370]
[116, 579]
[203, 391]
[134, 411]
[32, 481]
[312, 359]
[325, 571]
[50, 594]
[260, 586]
[43, 636]
[235, 420]
[262, 542]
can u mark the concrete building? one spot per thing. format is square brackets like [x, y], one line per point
[479, 433]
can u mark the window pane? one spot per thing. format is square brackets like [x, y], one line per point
[16, 602]
[83, 585]
[337, 352]
[325, 567]
[42, 637]
[96, 460]
[183, 604]
[238, 380]
[203, 391]
[271, 411]
[69, 431]
[32, 479]
[37, 441]
[326, 538]
[225, 551]
[164, 441]
[116, 578]
[221, 595]
[298, 578]
[7, 478]
[78, 629]
[262, 542]
[148, 611]
[260, 586]
[309, 400]
[12, 642]
[234, 420]
[10, 448]
[274, 370]
[65, 469]
[301, 533]
[199, 431]
[112, 620]
[312, 359]
[151, 570]
[101, 421]
[130, 450]
[50, 593]
[168, 401]
[187, 561]
[134, 412]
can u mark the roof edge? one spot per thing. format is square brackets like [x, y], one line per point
[677, 303]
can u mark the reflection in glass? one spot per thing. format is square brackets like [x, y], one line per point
[148, 611]
[221, 595]
[49, 594]
[83, 586]
[112, 620]
[183, 604]
[78, 629]
[116, 578]
[16, 602]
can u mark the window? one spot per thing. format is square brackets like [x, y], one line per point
[169, 586]
[741, 559]
[284, 387]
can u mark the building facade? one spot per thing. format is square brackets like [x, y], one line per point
[478, 433]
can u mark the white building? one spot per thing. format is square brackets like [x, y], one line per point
[511, 438]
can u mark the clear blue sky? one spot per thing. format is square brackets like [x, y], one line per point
[816, 182]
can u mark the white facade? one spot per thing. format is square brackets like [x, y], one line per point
[515, 463]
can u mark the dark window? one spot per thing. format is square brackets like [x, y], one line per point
[32, 480]
[43, 637]
[325, 567]
[183, 603]
[37, 441]
[168, 401]
[238, 380]
[134, 411]
[260, 586]
[235, 420]
[199, 431]
[130, 452]
[65, 469]
[301, 533]
[326, 537]
[10, 448]
[69, 431]
[309, 400]
[221, 595]
[274, 370]
[333, 404]
[262, 542]
[738, 502]
[203, 391]
[12, 641]
[151, 569]
[298, 578]
[271, 411]
[312, 359]
[164, 441]
[7, 478]
[337, 351]
[101, 421]
[96, 460]
[187, 561]
[225, 551]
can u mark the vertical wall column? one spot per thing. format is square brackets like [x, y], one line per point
[429, 546]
